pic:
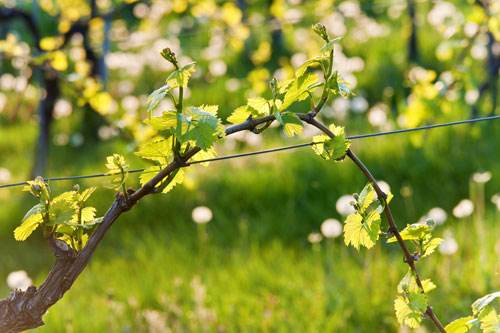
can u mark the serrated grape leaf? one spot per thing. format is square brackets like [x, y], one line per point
[205, 127]
[408, 284]
[283, 85]
[116, 164]
[258, 106]
[331, 148]
[489, 320]
[255, 107]
[148, 174]
[28, 225]
[88, 214]
[298, 90]
[430, 246]
[203, 134]
[157, 149]
[166, 122]
[68, 197]
[409, 311]
[460, 325]
[178, 178]
[361, 233]
[292, 124]
[239, 115]
[85, 195]
[415, 231]
[366, 197]
[319, 61]
[180, 77]
[61, 212]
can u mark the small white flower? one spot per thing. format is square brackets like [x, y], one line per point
[19, 280]
[471, 96]
[4, 175]
[331, 228]
[202, 215]
[438, 215]
[481, 177]
[344, 206]
[449, 246]
[314, 237]
[359, 104]
[463, 209]
[62, 109]
[496, 200]
[233, 84]
[384, 186]
[377, 116]
[217, 67]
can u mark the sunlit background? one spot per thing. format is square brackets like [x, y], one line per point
[254, 244]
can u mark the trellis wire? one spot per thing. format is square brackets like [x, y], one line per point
[273, 150]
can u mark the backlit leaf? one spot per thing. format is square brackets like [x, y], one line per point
[460, 325]
[28, 226]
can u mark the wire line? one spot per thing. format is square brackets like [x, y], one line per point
[273, 150]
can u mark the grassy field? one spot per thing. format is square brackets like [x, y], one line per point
[256, 271]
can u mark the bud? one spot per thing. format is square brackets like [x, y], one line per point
[76, 187]
[169, 55]
[320, 29]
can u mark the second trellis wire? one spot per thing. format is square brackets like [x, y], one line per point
[274, 150]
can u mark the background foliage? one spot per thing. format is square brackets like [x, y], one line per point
[252, 267]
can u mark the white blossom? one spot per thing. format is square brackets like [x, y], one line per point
[359, 104]
[62, 109]
[377, 115]
[449, 246]
[331, 228]
[19, 280]
[384, 186]
[5, 175]
[463, 209]
[471, 96]
[217, 67]
[438, 215]
[496, 200]
[202, 215]
[343, 205]
[314, 237]
[481, 177]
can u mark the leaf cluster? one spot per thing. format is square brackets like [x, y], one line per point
[65, 216]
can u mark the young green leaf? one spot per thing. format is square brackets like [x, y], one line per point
[411, 304]
[204, 128]
[460, 325]
[292, 125]
[332, 148]
[117, 165]
[180, 77]
[298, 90]
[409, 310]
[157, 149]
[361, 232]
[480, 304]
[29, 224]
[156, 96]
[363, 226]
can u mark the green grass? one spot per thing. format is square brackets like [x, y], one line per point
[257, 272]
